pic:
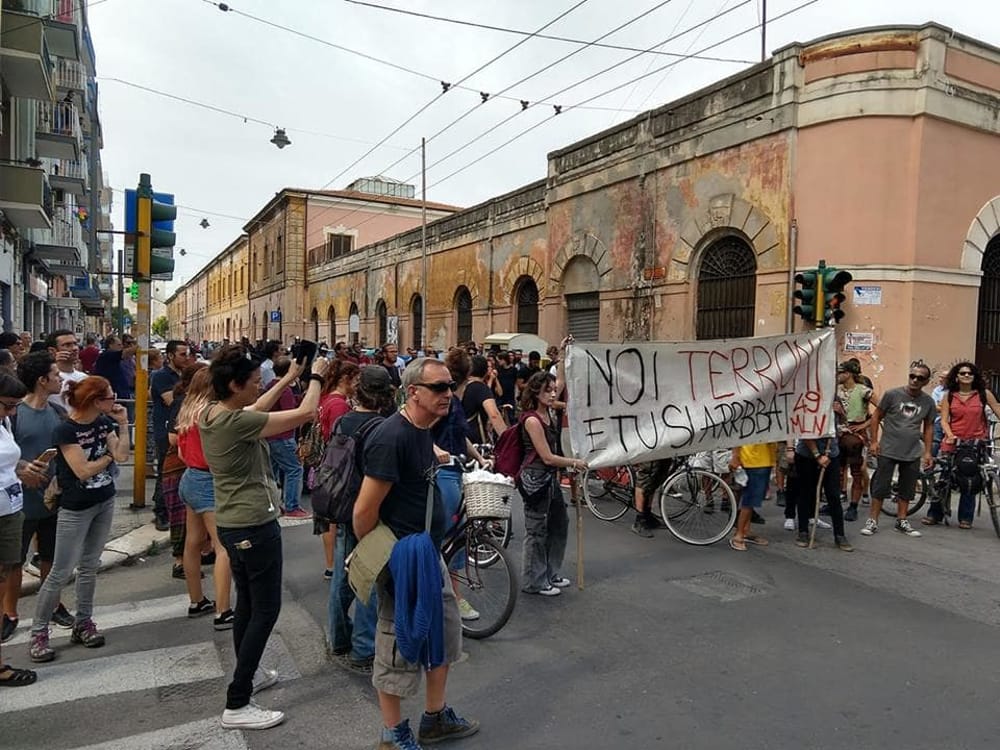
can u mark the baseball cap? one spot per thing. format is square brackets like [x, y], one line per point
[852, 367]
[374, 379]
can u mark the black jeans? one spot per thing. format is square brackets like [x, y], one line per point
[255, 557]
[807, 473]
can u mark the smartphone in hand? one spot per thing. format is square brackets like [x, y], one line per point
[47, 455]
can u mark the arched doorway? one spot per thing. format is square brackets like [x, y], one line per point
[314, 317]
[526, 299]
[727, 290]
[581, 286]
[354, 323]
[463, 315]
[417, 321]
[331, 321]
[383, 323]
[988, 317]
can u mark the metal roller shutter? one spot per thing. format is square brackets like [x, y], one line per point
[584, 316]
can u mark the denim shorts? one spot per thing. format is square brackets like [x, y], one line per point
[197, 490]
[756, 489]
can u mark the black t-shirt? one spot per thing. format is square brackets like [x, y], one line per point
[526, 371]
[92, 438]
[393, 374]
[508, 381]
[477, 423]
[400, 453]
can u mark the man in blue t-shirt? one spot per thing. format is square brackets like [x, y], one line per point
[109, 365]
[161, 391]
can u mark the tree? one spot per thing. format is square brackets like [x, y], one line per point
[120, 319]
[161, 326]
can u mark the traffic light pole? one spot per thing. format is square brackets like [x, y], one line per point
[142, 259]
[820, 311]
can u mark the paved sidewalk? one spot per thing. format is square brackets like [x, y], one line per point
[133, 532]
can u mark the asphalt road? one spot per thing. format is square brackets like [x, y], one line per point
[668, 645]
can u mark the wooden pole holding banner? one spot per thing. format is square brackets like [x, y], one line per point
[574, 493]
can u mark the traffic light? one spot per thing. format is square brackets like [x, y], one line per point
[834, 281]
[133, 291]
[149, 217]
[810, 307]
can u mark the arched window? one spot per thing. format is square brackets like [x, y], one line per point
[417, 321]
[526, 298]
[727, 290]
[988, 317]
[354, 323]
[315, 321]
[463, 313]
[331, 318]
[383, 323]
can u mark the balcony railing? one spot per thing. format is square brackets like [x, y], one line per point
[58, 118]
[69, 74]
[66, 229]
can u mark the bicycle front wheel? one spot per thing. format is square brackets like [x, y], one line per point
[993, 499]
[497, 529]
[609, 492]
[491, 591]
[928, 483]
[698, 507]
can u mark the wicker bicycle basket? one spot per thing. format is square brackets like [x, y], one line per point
[488, 499]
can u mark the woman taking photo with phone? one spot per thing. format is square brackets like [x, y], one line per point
[90, 441]
[234, 431]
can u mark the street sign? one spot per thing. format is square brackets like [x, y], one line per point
[275, 316]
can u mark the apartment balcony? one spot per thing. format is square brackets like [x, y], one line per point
[69, 75]
[25, 61]
[60, 249]
[63, 30]
[57, 130]
[25, 196]
[70, 176]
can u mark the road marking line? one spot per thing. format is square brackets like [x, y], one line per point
[122, 673]
[206, 733]
[121, 615]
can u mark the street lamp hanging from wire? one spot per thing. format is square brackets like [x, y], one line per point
[280, 139]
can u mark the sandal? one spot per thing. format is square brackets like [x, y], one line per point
[738, 544]
[754, 539]
[928, 521]
[16, 677]
[964, 525]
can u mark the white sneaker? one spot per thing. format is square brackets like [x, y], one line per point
[820, 523]
[903, 526]
[549, 591]
[251, 716]
[263, 679]
[466, 611]
[870, 527]
[789, 524]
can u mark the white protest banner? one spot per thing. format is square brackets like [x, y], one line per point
[636, 402]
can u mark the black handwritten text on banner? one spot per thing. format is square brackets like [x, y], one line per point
[637, 402]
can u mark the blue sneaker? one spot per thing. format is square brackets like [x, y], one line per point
[445, 725]
[400, 737]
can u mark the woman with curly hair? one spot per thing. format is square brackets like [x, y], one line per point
[963, 417]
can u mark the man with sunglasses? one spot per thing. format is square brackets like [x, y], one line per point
[906, 418]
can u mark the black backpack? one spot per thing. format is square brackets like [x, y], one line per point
[966, 463]
[339, 476]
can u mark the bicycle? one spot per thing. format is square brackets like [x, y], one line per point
[696, 505]
[487, 578]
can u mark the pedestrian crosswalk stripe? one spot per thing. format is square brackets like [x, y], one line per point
[207, 733]
[122, 673]
[120, 616]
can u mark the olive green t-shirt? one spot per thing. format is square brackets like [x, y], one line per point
[245, 492]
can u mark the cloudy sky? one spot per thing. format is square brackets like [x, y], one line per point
[278, 64]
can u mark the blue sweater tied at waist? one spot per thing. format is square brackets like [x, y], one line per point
[415, 565]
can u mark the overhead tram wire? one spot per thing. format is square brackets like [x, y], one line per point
[550, 37]
[364, 55]
[422, 109]
[525, 132]
[753, 28]
[672, 37]
[510, 117]
[230, 113]
[527, 78]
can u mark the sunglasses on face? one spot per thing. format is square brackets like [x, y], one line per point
[965, 373]
[440, 387]
[919, 378]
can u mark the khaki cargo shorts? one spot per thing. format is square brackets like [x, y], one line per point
[391, 673]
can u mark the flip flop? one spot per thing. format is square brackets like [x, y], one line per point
[738, 544]
[928, 521]
[964, 525]
[754, 539]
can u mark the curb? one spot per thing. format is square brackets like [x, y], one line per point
[116, 552]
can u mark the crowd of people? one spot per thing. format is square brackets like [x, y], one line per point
[240, 439]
